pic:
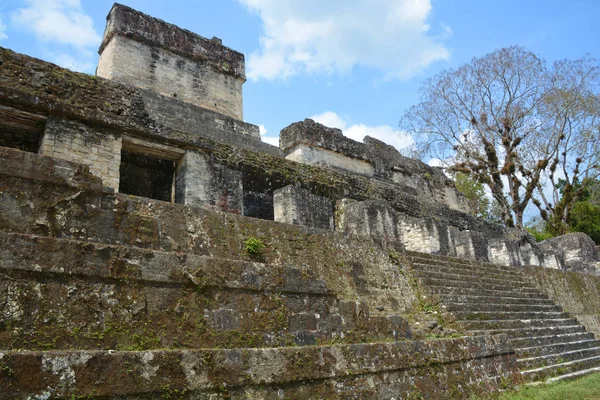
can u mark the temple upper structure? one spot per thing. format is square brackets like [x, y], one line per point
[149, 53]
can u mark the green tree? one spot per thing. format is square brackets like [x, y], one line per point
[474, 191]
[516, 126]
[585, 217]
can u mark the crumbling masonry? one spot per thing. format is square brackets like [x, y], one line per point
[152, 246]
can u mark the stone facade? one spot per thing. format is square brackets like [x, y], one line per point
[575, 252]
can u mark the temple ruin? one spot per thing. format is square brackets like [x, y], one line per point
[154, 247]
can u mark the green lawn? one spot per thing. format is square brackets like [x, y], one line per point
[586, 388]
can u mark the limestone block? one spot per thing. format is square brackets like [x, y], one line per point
[294, 205]
[322, 157]
[309, 142]
[367, 218]
[200, 181]
[95, 147]
[419, 234]
[575, 251]
[515, 249]
[461, 243]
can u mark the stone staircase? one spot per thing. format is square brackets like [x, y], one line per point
[489, 299]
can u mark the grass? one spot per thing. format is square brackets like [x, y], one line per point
[586, 388]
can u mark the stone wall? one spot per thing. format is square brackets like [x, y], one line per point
[575, 292]
[418, 193]
[32, 204]
[151, 54]
[122, 108]
[200, 181]
[197, 120]
[293, 205]
[98, 148]
[378, 219]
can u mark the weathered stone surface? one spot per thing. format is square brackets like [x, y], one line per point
[312, 143]
[297, 206]
[33, 85]
[149, 53]
[445, 369]
[575, 252]
[351, 266]
[200, 181]
[190, 118]
[97, 148]
[367, 218]
[30, 84]
[313, 134]
[62, 294]
[379, 220]
[577, 293]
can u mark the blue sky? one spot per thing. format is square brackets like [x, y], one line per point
[353, 64]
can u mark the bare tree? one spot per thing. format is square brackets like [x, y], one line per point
[515, 126]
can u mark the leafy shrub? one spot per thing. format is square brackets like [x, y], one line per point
[540, 236]
[253, 245]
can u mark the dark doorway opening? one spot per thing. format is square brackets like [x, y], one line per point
[146, 176]
[21, 130]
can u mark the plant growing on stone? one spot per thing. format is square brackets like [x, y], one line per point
[254, 246]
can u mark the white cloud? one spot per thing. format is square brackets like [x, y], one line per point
[315, 36]
[274, 140]
[271, 140]
[399, 139]
[436, 162]
[73, 63]
[59, 21]
[2, 29]
[66, 32]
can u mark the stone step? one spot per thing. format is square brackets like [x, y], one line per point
[563, 369]
[518, 343]
[516, 323]
[477, 307]
[461, 298]
[508, 315]
[432, 259]
[537, 351]
[508, 282]
[470, 271]
[538, 362]
[531, 332]
[574, 375]
[448, 282]
[207, 373]
[441, 289]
